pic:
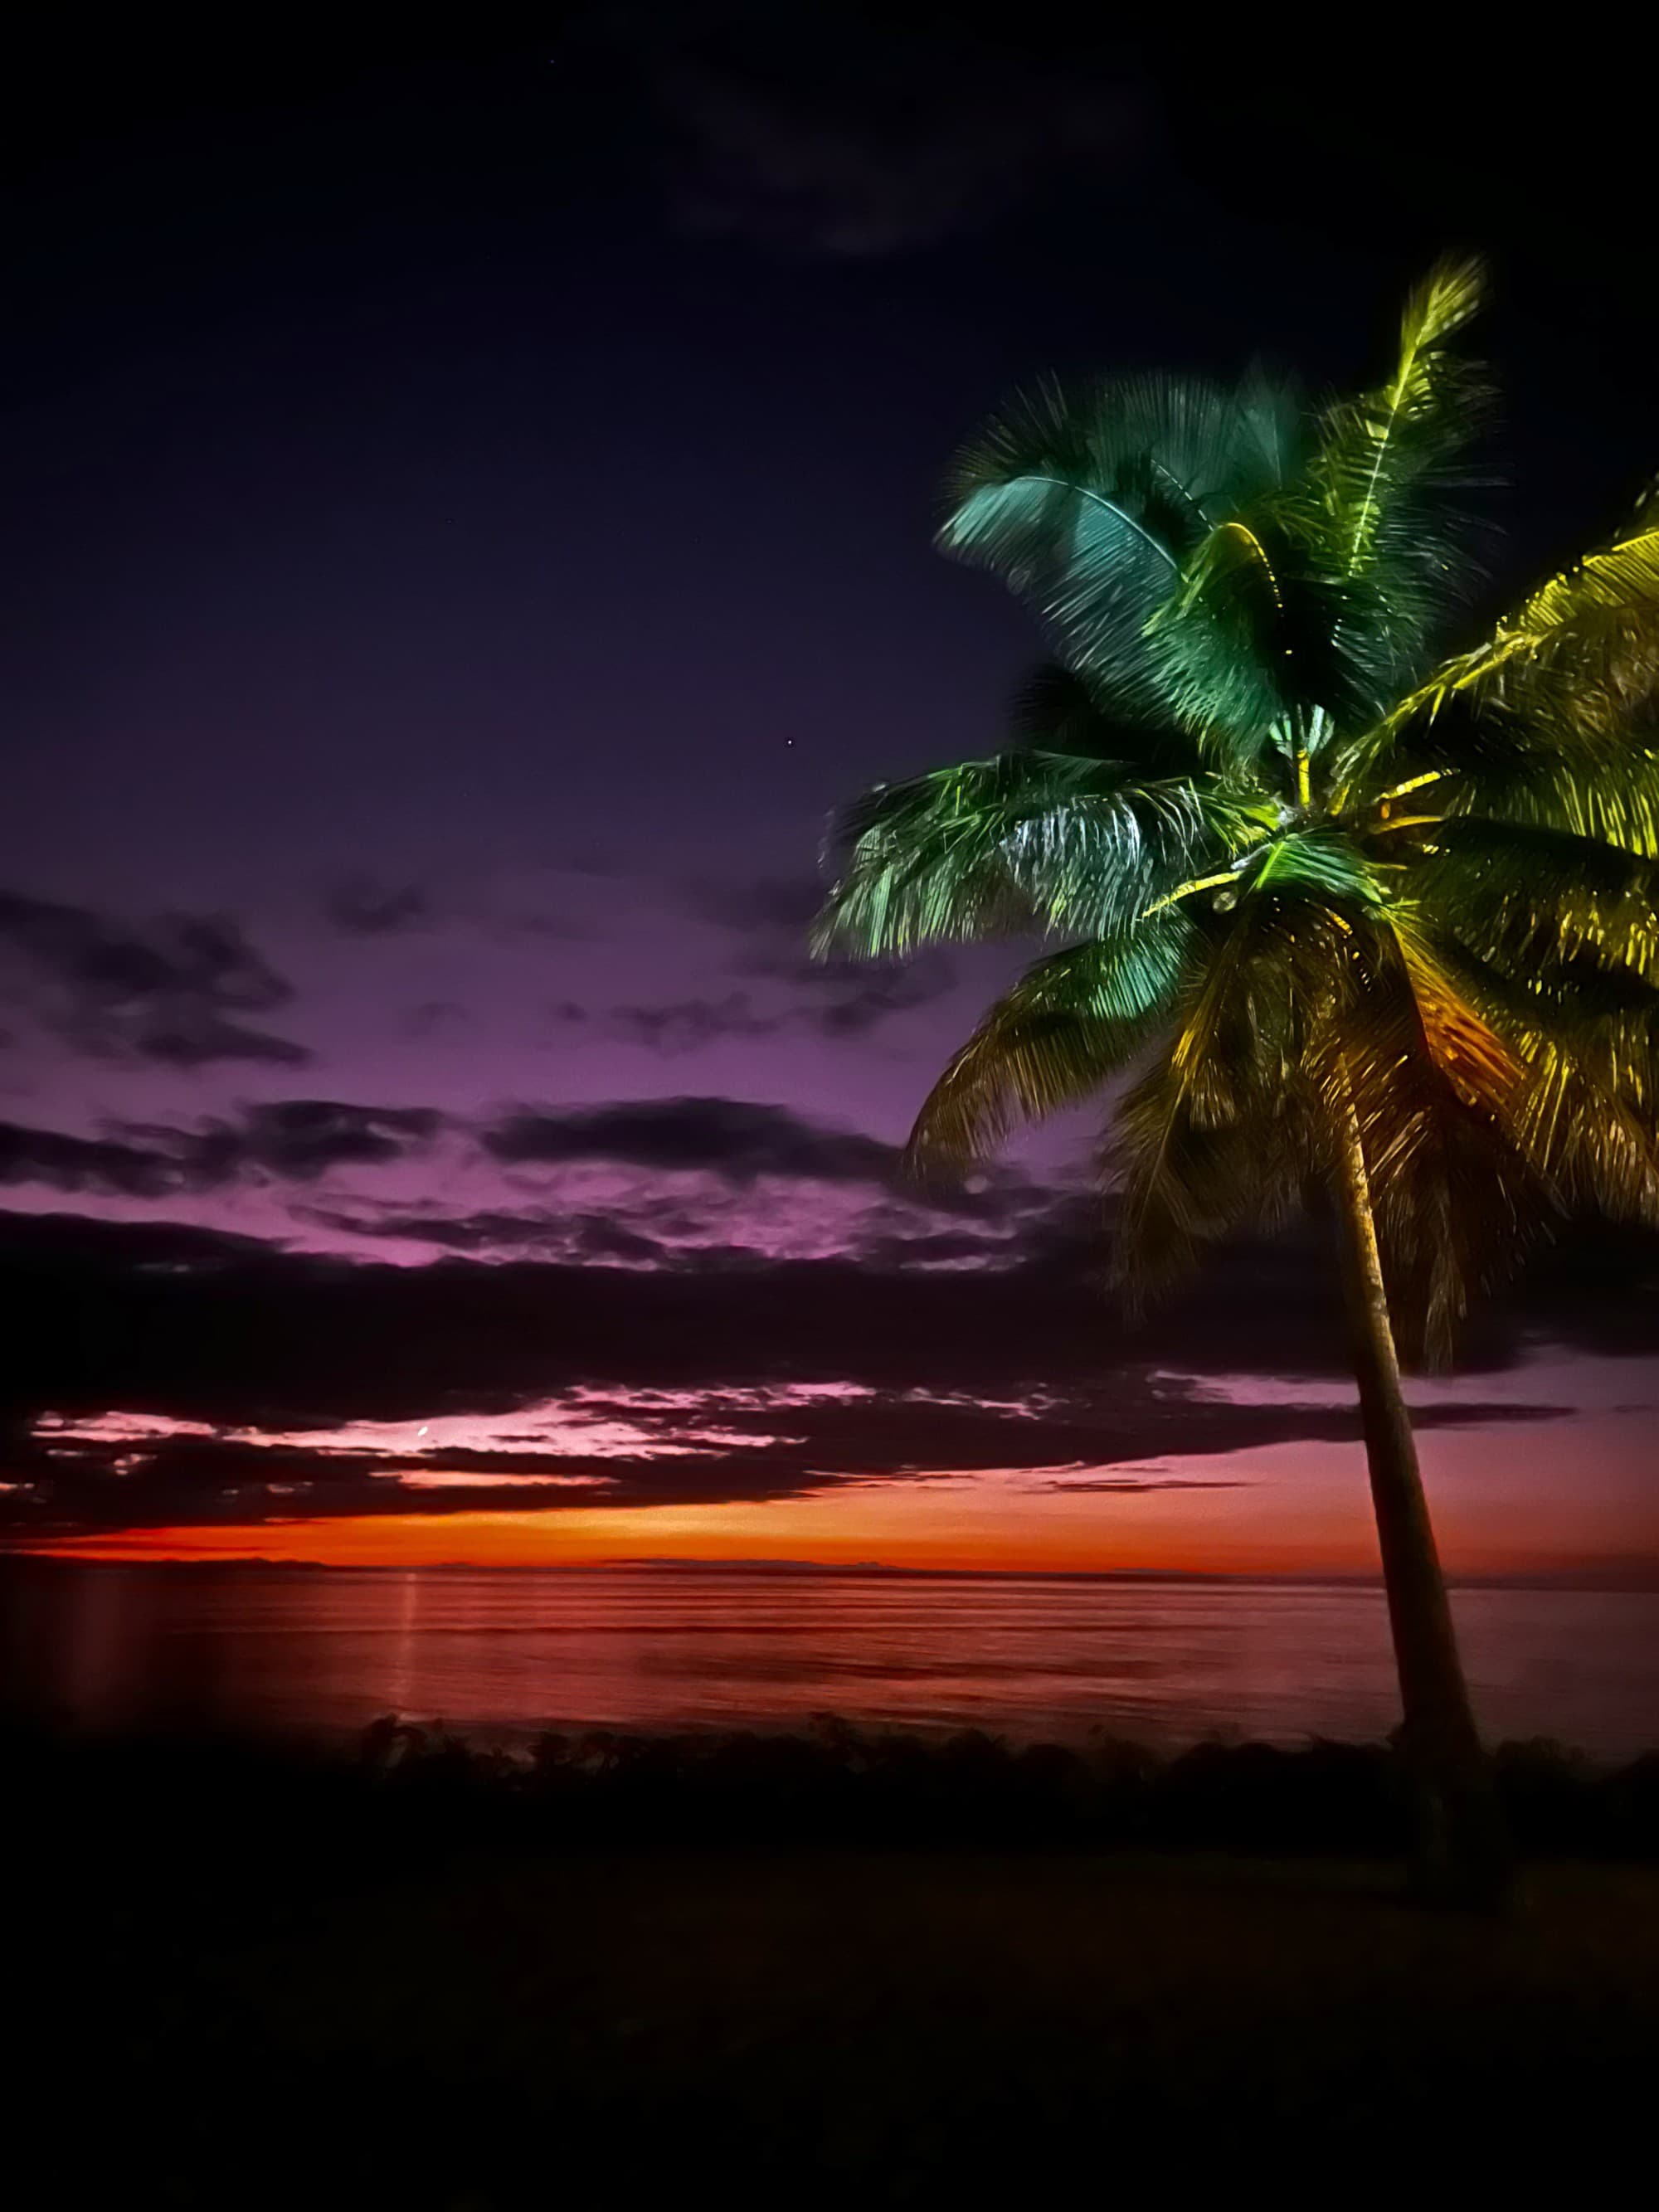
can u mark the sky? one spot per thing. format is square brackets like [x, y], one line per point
[467, 520]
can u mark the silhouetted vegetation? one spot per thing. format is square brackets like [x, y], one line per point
[404, 1789]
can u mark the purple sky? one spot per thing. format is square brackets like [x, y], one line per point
[467, 520]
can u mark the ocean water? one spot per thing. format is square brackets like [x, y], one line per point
[499, 1654]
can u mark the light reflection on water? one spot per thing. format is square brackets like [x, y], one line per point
[502, 1653]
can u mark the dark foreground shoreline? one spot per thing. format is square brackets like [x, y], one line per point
[404, 1787]
[794, 1968]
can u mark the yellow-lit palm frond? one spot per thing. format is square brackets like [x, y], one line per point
[1585, 1120]
[1391, 436]
[1529, 898]
[1433, 1082]
[1582, 646]
[1481, 1068]
[1605, 790]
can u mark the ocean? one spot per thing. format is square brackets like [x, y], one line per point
[499, 1654]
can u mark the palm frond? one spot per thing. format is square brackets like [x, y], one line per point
[1580, 655]
[1379, 507]
[1434, 1084]
[1586, 1122]
[1215, 1135]
[1459, 1041]
[1527, 897]
[1223, 641]
[1584, 1107]
[1603, 786]
[1397, 440]
[1274, 418]
[1069, 1024]
[1608, 794]
[1059, 843]
[1085, 503]
[1321, 862]
[1183, 1183]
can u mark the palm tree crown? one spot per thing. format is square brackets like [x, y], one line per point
[1304, 871]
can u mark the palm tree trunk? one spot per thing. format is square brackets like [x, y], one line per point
[1463, 1850]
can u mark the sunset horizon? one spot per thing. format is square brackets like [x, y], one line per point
[328, 1546]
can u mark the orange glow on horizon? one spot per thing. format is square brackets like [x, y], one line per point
[1516, 1505]
[1337, 1543]
[513, 1540]
[966, 1522]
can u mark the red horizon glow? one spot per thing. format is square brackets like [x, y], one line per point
[978, 1526]
[1506, 1501]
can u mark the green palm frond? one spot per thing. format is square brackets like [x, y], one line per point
[1591, 626]
[1612, 798]
[1274, 428]
[1182, 1182]
[1318, 861]
[1223, 642]
[1086, 504]
[1056, 842]
[1380, 506]
[1069, 1024]
[1374, 447]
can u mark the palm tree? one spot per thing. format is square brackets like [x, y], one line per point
[1343, 917]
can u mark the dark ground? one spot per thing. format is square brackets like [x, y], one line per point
[244, 1996]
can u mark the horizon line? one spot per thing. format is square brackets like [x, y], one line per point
[1638, 1576]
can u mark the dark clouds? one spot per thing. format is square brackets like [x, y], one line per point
[494, 1232]
[734, 1138]
[300, 1138]
[935, 1374]
[295, 1140]
[860, 1000]
[913, 1354]
[730, 1142]
[1133, 1486]
[174, 991]
[107, 1166]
